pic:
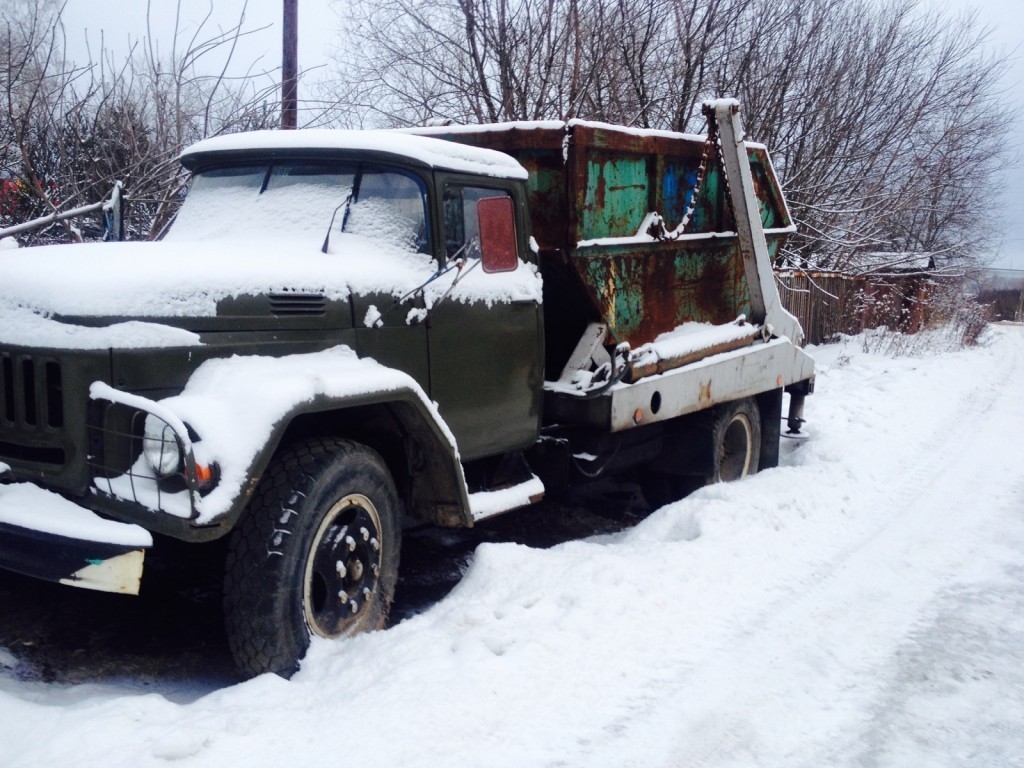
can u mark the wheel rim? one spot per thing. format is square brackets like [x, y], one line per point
[737, 448]
[343, 567]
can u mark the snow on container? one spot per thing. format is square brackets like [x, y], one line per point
[633, 233]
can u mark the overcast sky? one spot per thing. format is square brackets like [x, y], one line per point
[121, 19]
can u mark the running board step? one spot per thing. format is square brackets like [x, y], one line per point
[484, 504]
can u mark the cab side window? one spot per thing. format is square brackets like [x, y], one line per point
[461, 225]
[391, 206]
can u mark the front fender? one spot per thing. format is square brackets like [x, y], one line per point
[234, 413]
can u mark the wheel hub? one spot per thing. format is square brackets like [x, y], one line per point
[737, 449]
[342, 567]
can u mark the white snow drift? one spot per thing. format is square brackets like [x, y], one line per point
[860, 605]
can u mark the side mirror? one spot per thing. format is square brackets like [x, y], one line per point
[498, 245]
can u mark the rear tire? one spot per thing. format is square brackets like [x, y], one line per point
[736, 441]
[315, 554]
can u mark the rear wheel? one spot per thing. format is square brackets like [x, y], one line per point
[316, 554]
[736, 441]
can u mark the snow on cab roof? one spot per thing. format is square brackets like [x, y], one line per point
[434, 153]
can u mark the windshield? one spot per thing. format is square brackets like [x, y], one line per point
[298, 199]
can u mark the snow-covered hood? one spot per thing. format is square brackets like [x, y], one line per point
[178, 279]
[146, 280]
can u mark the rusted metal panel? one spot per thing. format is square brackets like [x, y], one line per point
[540, 148]
[616, 197]
[546, 197]
[590, 182]
[640, 292]
[641, 289]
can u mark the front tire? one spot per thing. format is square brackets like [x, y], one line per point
[315, 554]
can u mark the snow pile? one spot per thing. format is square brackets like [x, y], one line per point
[558, 125]
[642, 237]
[861, 605]
[484, 504]
[373, 317]
[163, 279]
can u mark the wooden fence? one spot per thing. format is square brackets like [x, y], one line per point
[828, 304]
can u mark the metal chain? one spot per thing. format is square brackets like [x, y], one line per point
[702, 172]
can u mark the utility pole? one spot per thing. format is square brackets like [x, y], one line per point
[290, 65]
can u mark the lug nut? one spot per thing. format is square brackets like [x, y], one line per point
[353, 606]
[366, 592]
[341, 569]
[365, 534]
[375, 544]
[350, 543]
[343, 596]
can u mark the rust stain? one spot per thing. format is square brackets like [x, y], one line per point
[608, 310]
[704, 395]
[600, 191]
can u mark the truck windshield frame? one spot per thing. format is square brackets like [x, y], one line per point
[294, 195]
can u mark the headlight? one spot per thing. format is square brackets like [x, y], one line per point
[160, 446]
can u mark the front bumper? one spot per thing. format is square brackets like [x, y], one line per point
[45, 536]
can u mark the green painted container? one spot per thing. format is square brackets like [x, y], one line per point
[592, 190]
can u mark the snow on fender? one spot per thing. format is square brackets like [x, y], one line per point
[235, 406]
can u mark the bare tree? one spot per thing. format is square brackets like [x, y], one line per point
[70, 130]
[412, 62]
[881, 117]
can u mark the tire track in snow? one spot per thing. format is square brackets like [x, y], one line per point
[919, 536]
[926, 488]
[914, 484]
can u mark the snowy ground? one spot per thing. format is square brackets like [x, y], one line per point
[862, 605]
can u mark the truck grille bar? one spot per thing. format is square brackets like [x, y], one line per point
[32, 393]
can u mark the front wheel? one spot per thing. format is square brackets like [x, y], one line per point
[316, 554]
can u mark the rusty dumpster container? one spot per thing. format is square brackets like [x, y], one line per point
[635, 227]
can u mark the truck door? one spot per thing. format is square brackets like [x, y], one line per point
[485, 337]
[389, 207]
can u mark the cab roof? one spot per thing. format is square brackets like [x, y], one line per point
[324, 143]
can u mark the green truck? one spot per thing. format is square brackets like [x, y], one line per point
[345, 332]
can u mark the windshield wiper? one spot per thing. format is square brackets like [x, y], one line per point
[346, 203]
[455, 261]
